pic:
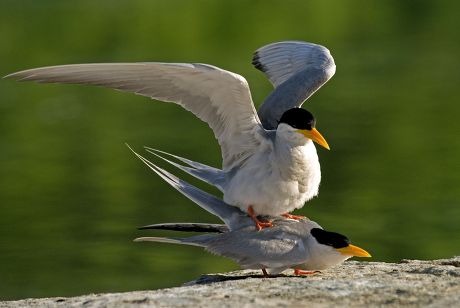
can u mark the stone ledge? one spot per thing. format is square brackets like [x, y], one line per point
[433, 283]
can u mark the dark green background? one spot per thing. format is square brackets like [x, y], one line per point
[72, 195]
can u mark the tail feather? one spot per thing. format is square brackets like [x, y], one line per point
[158, 239]
[230, 215]
[189, 162]
[169, 240]
[199, 240]
[210, 175]
[188, 227]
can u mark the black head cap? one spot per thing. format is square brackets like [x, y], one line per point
[333, 239]
[298, 118]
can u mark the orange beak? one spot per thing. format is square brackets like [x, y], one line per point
[315, 135]
[355, 251]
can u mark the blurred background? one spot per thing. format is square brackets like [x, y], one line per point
[72, 194]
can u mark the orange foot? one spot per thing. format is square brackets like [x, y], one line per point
[259, 224]
[295, 217]
[265, 273]
[300, 272]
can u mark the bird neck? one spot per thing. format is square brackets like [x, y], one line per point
[292, 157]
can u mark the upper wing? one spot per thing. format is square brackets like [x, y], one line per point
[296, 70]
[251, 249]
[218, 97]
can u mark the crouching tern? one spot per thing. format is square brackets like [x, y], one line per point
[270, 165]
[301, 245]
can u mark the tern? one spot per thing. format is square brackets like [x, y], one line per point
[269, 162]
[301, 245]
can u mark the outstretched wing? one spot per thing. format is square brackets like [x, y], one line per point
[296, 70]
[220, 98]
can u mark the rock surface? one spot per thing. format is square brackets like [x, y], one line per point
[408, 283]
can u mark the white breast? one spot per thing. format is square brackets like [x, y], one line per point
[276, 181]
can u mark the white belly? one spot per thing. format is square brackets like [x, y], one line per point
[274, 187]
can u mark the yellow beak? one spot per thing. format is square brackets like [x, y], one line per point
[314, 135]
[355, 251]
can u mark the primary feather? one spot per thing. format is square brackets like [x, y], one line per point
[296, 70]
[219, 97]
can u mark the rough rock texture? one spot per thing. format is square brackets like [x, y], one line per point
[409, 283]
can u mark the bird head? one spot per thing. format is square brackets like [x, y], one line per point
[301, 121]
[330, 248]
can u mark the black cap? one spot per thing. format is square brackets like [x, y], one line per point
[333, 239]
[298, 118]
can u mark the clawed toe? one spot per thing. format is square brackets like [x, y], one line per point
[259, 224]
[295, 217]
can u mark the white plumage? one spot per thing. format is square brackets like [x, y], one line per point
[273, 168]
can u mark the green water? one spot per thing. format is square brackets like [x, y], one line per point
[72, 195]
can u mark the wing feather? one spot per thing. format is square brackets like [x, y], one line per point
[296, 70]
[253, 249]
[219, 97]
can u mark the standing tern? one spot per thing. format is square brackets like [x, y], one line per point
[301, 245]
[270, 165]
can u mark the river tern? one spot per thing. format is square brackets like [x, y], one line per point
[301, 245]
[269, 163]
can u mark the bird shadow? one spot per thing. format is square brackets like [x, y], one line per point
[207, 279]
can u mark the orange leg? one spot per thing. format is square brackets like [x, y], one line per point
[295, 217]
[300, 272]
[265, 273]
[259, 224]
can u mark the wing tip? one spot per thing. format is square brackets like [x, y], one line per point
[320, 50]
[9, 76]
[16, 76]
[256, 62]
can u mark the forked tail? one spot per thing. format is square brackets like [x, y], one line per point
[208, 174]
[199, 240]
